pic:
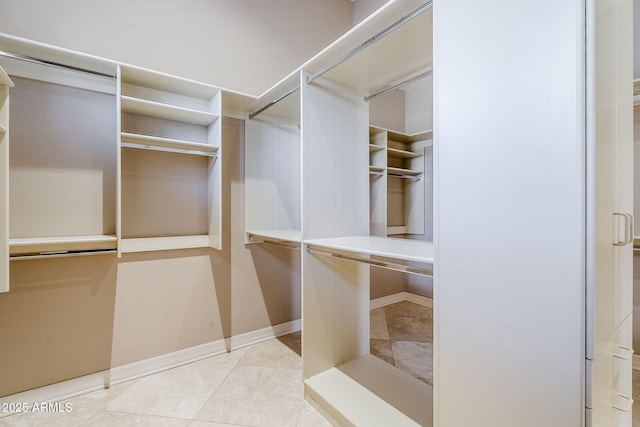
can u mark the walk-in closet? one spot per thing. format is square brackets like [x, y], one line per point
[402, 213]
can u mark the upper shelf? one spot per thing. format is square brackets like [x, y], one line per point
[401, 249]
[374, 147]
[165, 111]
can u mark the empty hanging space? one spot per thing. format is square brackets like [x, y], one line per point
[170, 166]
[62, 164]
[348, 166]
[272, 168]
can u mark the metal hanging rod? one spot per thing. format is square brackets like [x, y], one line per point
[400, 22]
[382, 264]
[55, 64]
[399, 85]
[283, 243]
[272, 103]
[395, 175]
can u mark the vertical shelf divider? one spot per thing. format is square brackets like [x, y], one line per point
[5, 84]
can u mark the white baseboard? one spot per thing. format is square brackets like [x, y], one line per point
[100, 380]
[399, 297]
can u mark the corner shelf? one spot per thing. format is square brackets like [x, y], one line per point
[397, 200]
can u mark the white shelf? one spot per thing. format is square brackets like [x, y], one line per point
[64, 244]
[370, 392]
[168, 83]
[374, 147]
[133, 140]
[402, 249]
[149, 244]
[403, 172]
[409, 137]
[165, 111]
[3, 130]
[402, 154]
[284, 235]
[376, 169]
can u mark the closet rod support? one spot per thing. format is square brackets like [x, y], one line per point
[375, 263]
[272, 103]
[391, 28]
[55, 64]
[399, 85]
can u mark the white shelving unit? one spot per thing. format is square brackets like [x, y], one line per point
[171, 192]
[5, 85]
[397, 188]
[62, 166]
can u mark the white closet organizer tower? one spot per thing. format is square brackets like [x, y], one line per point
[5, 84]
[62, 162]
[397, 185]
[272, 169]
[170, 148]
[342, 379]
[106, 158]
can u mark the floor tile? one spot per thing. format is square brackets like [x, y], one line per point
[178, 392]
[293, 341]
[382, 350]
[77, 417]
[415, 358]
[210, 424]
[407, 321]
[272, 353]
[309, 417]
[257, 396]
[104, 418]
[99, 399]
[229, 358]
[378, 325]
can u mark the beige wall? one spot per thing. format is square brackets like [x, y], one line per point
[244, 45]
[68, 317]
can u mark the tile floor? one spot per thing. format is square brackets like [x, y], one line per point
[260, 385]
[402, 335]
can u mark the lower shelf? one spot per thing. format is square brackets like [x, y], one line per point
[149, 244]
[369, 392]
[30, 246]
